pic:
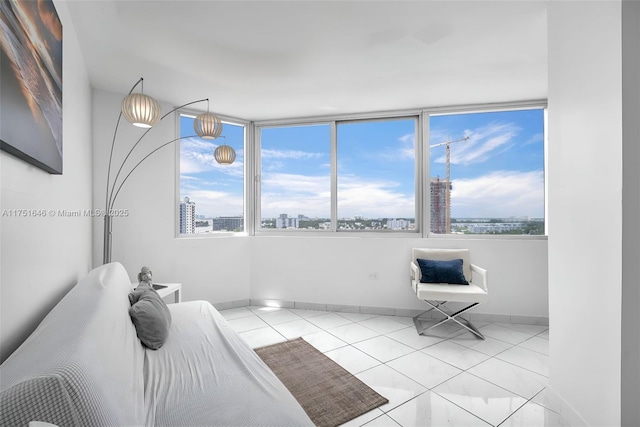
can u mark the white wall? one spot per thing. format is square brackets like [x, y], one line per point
[42, 258]
[585, 209]
[326, 270]
[336, 271]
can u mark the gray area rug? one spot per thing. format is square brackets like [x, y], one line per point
[329, 394]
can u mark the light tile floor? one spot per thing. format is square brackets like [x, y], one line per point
[454, 379]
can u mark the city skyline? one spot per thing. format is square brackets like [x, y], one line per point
[511, 225]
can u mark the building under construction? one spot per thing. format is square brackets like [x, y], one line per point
[441, 193]
[440, 211]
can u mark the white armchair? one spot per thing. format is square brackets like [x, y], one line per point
[437, 295]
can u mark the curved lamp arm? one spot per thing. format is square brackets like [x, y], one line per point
[113, 201]
[110, 195]
[113, 189]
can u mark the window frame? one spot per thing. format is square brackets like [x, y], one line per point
[246, 187]
[333, 122]
[252, 171]
[257, 176]
[540, 104]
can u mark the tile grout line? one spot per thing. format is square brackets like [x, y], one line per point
[413, 350]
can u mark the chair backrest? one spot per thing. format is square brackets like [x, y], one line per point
[445, 255]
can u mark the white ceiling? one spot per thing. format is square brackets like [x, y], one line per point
[282, 59]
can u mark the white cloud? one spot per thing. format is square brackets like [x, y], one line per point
[207, 183]
[373, 199]
[274, 160]
[537, 138]
[289, 154]
[273, 165]
[310, 195]
[295, 194]
[499, 194]
[196, 156]
[483, 143]
[215, 203]
[191, 166]
[407, 148]
[403, 150]
[296, 183]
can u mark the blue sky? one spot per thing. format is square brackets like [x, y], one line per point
[296, 171]
[498, 172]
[217, 190]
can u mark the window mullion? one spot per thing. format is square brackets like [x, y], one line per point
[422, 171]
[249, 183]
[425, 191]
[334, 177]
[255, 178]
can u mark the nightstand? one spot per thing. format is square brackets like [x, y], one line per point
[166, 289]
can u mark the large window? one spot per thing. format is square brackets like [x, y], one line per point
[295, 177]
[435, 172]
[369, 185]
[487, 172]
[376, 174]
[211, 194]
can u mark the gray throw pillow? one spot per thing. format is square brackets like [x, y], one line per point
[150, 316]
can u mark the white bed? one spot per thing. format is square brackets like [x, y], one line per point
[84, 366]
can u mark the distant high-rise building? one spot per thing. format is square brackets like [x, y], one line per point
[187, 217]
[228, 223]
[398, 224]
[283, 221]
[439, 211]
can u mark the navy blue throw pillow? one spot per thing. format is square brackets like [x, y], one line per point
[434, 271]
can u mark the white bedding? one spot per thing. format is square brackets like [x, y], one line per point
[212, 377]
[83, 365]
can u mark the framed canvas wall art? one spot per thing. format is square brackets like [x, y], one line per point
[31, 83]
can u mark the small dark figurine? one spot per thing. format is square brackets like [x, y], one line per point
[145, 277]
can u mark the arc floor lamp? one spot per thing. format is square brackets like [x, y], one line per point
[143, 111]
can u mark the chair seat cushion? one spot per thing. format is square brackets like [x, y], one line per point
[447, 292]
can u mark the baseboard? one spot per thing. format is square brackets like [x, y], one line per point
[273, 303]
[381, 311]
[232, 304]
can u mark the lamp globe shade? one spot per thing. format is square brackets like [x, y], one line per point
[141, 110]
[207, 125]
[224, 155]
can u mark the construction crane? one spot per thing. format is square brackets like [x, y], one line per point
[447, 194]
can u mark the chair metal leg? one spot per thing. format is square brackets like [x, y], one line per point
[448, 316]
[433, 307]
